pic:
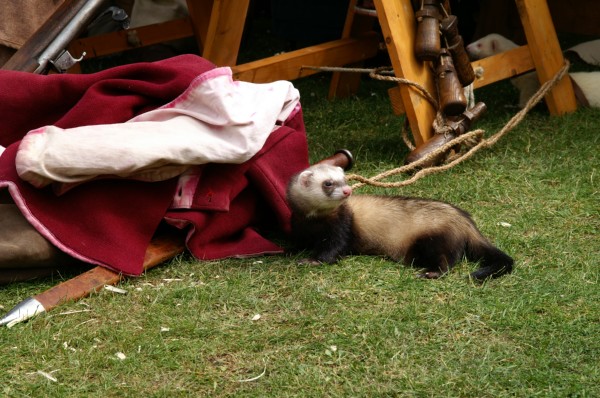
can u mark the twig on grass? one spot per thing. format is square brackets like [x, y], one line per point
[255, 377]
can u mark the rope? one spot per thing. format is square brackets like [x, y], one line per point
[381, 73]
[473, 139]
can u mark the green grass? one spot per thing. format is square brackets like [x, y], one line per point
[366, 326]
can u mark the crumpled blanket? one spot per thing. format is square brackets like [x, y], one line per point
[216, 120]
[224, 208]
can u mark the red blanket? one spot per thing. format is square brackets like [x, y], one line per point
[110, 222]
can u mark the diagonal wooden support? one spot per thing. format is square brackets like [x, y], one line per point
[221, 33]
[397, 20]
[289, 66]
[546, 53]
[345, 84]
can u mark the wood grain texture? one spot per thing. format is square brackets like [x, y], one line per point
[160, 249]
[289, 66]
[398, 24]
[546, 53]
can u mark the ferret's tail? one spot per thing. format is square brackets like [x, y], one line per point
[493, 261]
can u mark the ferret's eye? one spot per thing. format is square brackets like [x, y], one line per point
[328, 184]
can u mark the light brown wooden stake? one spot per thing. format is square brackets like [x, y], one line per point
[161, 248]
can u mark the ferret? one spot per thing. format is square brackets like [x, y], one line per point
[585, 84]
[427, 234]
[489, 45]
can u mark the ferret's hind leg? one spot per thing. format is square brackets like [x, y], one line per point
[434, 255]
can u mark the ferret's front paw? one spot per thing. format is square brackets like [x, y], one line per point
[430, 275]
[309, 261]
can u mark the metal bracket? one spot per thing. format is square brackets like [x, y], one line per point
[65, 60]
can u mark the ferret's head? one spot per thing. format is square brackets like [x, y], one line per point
[489, 45]
[318, 190]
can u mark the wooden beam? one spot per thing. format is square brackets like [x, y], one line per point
[503, 66]
[123, 40]
[289, 66]
[546, 53]
[200, 12]
[224, 35]
[397, 20]
[345, 84]
[396, 101]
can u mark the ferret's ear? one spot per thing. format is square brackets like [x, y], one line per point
[494, 44]
[305, 177]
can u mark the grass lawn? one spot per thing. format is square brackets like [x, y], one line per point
[367, 326]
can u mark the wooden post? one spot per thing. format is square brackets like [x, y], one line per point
[200, 14]
[397, 20]
[224, 35]
[345, 84]
[546, 53]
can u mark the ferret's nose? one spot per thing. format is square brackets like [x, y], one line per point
[347, 191]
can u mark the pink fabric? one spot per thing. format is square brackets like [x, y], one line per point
[215, 120]
[110, 222]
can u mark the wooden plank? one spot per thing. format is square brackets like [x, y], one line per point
[200, 12]
[396, 101]
[345, 84]
[161, 249]
[122, 40]
[397, 20]
[288, 66]
[546, 53]
[225, 30]
[503, 66]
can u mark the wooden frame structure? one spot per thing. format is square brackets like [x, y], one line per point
[218, 25]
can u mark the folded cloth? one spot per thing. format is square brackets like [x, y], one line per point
[110, 222]
[216, 120]
[227, 208]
